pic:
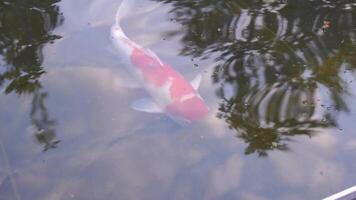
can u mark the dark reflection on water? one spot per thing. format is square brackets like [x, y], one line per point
[25, 27]
[282, 64]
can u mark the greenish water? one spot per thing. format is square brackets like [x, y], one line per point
[277, 75]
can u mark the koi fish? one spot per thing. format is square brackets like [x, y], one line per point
[170, 92]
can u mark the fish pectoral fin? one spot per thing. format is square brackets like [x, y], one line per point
[196, 81]
[146, 105]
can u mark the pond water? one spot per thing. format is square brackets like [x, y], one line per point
[278, 76]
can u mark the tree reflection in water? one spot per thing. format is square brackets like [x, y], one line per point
[25, 27]
[278, 61]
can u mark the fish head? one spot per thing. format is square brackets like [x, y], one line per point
[189, 110]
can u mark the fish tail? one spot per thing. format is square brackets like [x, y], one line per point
[123, 9]
[127, 6]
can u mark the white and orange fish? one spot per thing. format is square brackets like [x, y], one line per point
[170, 92]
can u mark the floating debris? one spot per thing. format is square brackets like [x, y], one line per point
[326, 25]
[347, 194]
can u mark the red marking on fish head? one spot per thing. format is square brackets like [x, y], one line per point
[192, 109]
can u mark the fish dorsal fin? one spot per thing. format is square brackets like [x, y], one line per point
[196, 81]
[153, 55]
[146, 105]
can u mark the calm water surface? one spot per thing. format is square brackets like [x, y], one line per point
[279, 78]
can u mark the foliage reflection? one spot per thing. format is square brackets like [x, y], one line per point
[283, 65]
[25, 27]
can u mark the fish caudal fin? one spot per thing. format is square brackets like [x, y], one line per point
[127, 7]
[122, 11]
